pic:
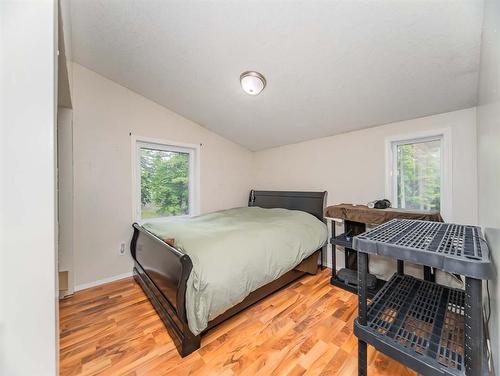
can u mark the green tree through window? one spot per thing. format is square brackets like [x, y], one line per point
[418, 175]
[164, 183]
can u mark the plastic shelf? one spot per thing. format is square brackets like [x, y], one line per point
[450, 247]
[342, 240]
[419, 323]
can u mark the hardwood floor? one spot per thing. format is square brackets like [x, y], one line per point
[304, 329]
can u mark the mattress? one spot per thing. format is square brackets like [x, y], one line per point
[237, 251]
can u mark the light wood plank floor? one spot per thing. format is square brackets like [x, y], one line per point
[304, 329]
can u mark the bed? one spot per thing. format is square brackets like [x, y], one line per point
[170, 267]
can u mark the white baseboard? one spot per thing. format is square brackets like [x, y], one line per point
[84, 286]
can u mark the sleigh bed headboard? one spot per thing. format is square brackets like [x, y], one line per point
[310, 202]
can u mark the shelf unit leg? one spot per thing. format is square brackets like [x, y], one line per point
[362, 272]
[401, 267]
[334, 252]
[362, 319]
[428, 275]
[362, 359]
[473, 326]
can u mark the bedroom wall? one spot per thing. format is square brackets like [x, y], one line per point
[104, 115]
[488, 121]
[351, 166]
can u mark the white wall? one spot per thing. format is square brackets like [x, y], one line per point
[488, 121]
[104, 115]
[351, 166]
[65, 194]
[27, 191]
[65, 9]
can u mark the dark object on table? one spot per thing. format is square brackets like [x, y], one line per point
[379, 204]
[433, 329]
[162, 270]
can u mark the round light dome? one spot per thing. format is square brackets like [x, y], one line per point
[252, 83]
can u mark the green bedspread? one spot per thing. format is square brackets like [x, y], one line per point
[236, 251]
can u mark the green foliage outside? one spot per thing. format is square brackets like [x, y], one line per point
[164, 183]
[419, 175]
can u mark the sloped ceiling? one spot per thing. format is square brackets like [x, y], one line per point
[331, 66]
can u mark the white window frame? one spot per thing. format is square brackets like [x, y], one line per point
[446, 165]
[194, 172]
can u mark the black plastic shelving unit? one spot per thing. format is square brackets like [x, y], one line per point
[345, 240]
[433, 329]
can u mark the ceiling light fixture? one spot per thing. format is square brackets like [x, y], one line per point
[252, 82]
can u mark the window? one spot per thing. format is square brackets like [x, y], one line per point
[418, 173]
[164, 179]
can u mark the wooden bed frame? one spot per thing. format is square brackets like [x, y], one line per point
[162, 270]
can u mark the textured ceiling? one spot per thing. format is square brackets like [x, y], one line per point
[331, 66]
